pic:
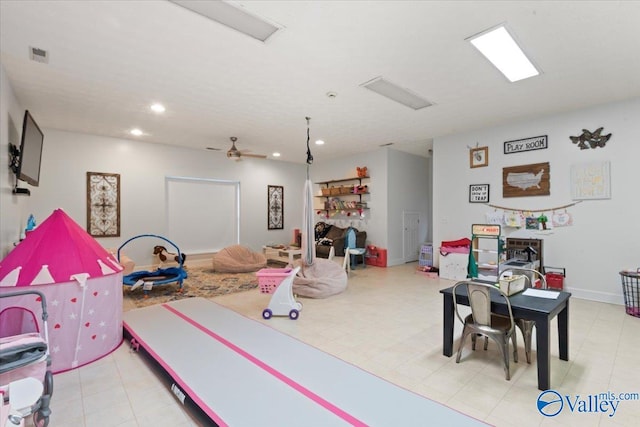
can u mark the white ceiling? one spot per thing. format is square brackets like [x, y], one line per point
[110, 59]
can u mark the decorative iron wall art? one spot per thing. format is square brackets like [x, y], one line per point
[103, 204]
[588, 139]
[275, 207]
[526, 180]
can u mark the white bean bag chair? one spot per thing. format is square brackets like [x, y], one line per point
[320, 280]
[238, 259]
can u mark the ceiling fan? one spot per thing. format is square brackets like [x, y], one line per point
[236, 154]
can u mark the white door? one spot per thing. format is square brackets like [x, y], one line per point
[411, 223]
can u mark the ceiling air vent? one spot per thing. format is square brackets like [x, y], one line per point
[396, 93]
[38, 55]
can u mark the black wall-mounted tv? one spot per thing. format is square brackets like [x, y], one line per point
[30, 151]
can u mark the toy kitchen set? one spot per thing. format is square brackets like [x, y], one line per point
[492, 254]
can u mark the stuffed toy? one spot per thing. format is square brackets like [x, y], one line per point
[163, 255]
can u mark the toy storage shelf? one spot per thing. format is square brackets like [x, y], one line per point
[334, 181]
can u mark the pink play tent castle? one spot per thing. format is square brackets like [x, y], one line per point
[82, 283]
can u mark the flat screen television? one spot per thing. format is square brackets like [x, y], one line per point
[30, 151]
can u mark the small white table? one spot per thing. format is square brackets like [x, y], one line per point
[290, 253]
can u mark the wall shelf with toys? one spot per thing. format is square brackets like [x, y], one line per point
[343, 199]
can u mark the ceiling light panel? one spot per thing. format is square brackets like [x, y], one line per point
[397, 93]
[500, 48]
[231, 16]
[157, 108]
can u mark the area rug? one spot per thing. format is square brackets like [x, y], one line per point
[200, 282]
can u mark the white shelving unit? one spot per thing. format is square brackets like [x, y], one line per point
[485, 247]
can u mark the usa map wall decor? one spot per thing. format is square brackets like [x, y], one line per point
[526, 144]
[526, 180]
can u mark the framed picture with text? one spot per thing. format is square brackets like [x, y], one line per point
[479, 193]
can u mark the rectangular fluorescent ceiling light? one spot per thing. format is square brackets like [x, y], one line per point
[499, 47]
[233, 17]
[399, 94]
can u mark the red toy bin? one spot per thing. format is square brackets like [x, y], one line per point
[376, 256]
[270, 278]
[554, 277]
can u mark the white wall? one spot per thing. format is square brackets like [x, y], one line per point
[605, 236]
[408, 191]
[12, 207]
[143, 168]
[399, 182]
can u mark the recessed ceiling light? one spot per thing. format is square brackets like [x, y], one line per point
[136, 132]
[399, 94]
[157, 108]
[319, 142]
[500, 48]
[276, 154]
[232, 16]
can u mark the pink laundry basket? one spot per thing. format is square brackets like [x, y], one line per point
[270, 278]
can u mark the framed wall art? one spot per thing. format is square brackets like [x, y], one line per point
[103, 204]
[275, 207]
[479, 157]
[479, 193]
[526, 180]
[590, 181]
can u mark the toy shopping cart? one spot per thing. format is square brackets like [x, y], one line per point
[631, 291]
[279, 282]
[554, 277]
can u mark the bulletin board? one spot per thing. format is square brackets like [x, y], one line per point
[591, 181]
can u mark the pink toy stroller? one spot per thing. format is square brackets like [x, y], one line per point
[24, 353]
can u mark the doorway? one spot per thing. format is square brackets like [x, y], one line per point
[411, 230]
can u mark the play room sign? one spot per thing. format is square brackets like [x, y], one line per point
[527, 144]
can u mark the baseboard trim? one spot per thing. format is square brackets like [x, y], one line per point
[606, 297]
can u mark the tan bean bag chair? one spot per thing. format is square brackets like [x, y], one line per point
[320, 280]
[238, 259]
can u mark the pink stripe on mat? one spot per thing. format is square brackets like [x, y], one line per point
[215, 417]
[279, 375]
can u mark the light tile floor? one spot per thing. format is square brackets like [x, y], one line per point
[389, 322]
